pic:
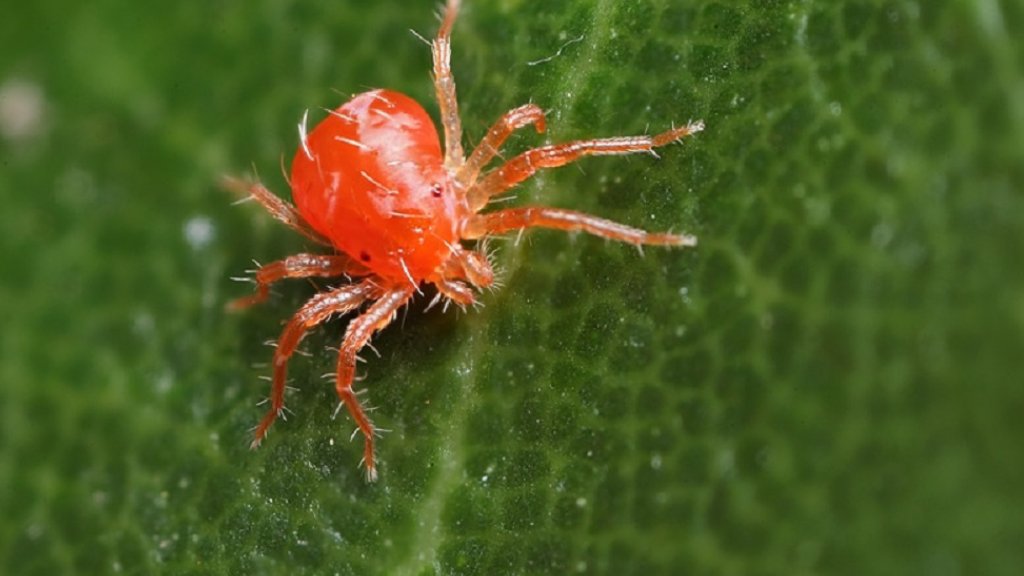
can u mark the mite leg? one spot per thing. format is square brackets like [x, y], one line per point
[528, 163]
[298, 266]
[456, 291]
[278, 208]
[470, 265]
[444, 87]
[376, 317]
[313, 312]
[488, 148]
[569, 220]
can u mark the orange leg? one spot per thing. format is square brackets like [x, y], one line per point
[456, 291]
[278, 208]
[298, 266]
[315, 311]
[488, 148]
[528, 163]
[444, 87]
[376, 317]
[469, 265]
[569, 220]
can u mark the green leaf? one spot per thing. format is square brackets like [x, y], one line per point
[829, 383]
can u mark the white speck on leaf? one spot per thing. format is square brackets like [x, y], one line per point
[199, 232]
[22, 110]
[656, 461]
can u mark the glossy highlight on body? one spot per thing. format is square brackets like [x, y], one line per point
[401, 215]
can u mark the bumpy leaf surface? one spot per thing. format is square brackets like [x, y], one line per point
[830, 383]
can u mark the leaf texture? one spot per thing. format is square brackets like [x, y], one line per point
[829, 383]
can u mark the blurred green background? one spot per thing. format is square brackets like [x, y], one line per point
[829, 384]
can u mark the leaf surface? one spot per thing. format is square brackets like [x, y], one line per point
[828, 383]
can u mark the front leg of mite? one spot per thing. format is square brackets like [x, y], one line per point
[482, 225]
[554, 155]
[491, 143]
[359, 332]
[444, 87]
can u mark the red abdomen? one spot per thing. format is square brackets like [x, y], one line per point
[370, 177]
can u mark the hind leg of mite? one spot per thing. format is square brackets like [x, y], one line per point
[359, 332]
[316, 310]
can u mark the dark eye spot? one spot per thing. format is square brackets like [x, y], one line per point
[364, 256]
[436, 190]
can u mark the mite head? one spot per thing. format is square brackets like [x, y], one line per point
[470, 266]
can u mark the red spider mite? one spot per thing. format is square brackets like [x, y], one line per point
[371, 183]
